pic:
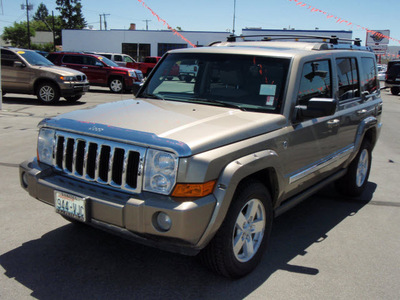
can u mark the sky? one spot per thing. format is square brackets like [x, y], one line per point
[217, 15]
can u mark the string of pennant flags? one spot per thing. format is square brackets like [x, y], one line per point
[166, 24]
[340, 20]
[297, 3]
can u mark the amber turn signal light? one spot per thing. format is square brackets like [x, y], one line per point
[193, 189]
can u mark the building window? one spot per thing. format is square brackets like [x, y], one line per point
[164, 48]
[137, 51]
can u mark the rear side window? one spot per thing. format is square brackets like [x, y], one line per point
[118, 58]
[8, 58]
[73, 59]
[369, 81]
[348, 80]
[315, 81]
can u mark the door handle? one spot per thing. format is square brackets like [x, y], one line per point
[84, 67]
[333, 123]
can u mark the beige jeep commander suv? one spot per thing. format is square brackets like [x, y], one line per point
[203, 166]
[27, 72]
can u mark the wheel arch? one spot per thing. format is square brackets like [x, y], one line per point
[39, 81]
[263, 166]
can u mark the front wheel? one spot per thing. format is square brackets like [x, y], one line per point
[238, 246]
[48, 93]
[116, 85]
[356, 178]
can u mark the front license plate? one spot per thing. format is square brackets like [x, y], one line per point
[86, 88]
[70, 206]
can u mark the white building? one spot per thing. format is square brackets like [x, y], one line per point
[141, 43]
[136, 43]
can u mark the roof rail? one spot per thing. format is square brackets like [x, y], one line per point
[332, 39]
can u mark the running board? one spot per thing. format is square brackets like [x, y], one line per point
[290, 203]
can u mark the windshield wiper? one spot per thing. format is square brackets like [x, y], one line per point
[226, 104]
[153, 96]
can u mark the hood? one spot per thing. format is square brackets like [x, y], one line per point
[185, 128]
[59, 70]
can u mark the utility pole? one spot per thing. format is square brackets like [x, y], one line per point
[234, 17]
[147, 23]
[105, 21]
[100, 23]
[28, 7]
[54, 32]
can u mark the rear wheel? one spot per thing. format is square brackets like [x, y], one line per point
[48, 93]
[356, 178]
[238, 246]
[395, 90]
[116, 85]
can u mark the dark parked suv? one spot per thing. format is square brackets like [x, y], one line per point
[393, 76]
[100, 70]
[27, 72]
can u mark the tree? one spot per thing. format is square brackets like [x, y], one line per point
[16, 34]
[71, 14]
[41, 13]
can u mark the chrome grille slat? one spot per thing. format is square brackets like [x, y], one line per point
[100, 161]
[110, 165]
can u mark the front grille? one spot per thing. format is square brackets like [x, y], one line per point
[92, 159]
[81, 77]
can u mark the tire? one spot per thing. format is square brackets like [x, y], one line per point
[238, 246]
[188, 78]
[356, 178]
[116, 85]
[73, 99]
[395, 90]
[48, 93]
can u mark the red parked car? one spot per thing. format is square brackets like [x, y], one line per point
[100, 70]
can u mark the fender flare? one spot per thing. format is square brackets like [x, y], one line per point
[233, 173]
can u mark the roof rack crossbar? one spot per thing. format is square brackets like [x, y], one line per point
[332, 39]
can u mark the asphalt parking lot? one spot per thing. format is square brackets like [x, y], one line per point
[328, 247]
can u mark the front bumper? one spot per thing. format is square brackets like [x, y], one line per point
[391, 84]
[73, 89]
[129, 215]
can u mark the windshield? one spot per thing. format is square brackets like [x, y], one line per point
[247, 82]
[35, 59]
[107, 61]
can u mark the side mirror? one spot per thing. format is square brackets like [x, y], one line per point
[19, 64]
[317, 107]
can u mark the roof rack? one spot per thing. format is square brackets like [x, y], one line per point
[334, 40]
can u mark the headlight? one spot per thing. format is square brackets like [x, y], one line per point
[45, 145]
[132, 74]
[68, 78]
[160, 171]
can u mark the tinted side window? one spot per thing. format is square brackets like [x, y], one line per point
[118, 58]
[73, 59]
[315, 81]
[369, 80]
[8, 58]
[348, 78]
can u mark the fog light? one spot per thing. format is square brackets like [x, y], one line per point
[164, 222]
[24, 179]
